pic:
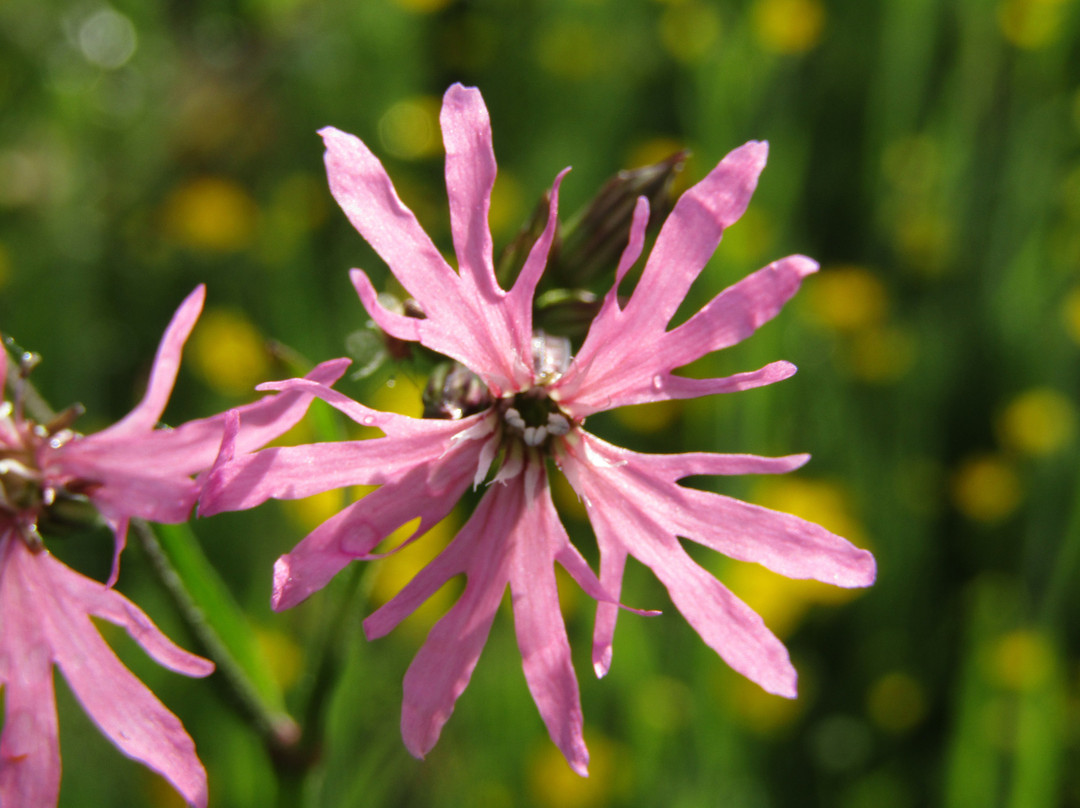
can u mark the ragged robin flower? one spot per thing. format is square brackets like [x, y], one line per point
[51, 474]
[537, 400]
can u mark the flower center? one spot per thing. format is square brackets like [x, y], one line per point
[534, 416]
[29, 500]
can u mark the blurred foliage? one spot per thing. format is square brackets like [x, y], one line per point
[927, 153]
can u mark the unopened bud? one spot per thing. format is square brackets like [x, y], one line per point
[595, 237]
[454, 392]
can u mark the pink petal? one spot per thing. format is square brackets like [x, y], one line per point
[441, 670]
[163, 374]
[365, 193]
[537, 537]
[428, 491]
[60, 601]
[519, 302]
[628, 356]
[29, 746]
[294, 472]
[738, 311]
[692, 232]
[636, 507]
[724, 622]
[470, 176]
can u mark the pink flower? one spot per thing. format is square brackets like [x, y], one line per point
[129, 470]
[539, 401]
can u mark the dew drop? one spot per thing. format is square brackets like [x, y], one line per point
[657, 382]
[368, 420]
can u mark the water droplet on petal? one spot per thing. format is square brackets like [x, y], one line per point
[368, 420]
[657, 382]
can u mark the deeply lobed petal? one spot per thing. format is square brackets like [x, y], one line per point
[637, 508]
[45, 610]
[629, 356]
[466, 315]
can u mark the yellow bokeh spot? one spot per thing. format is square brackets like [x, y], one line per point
[789, 26]
[846, 298]
[1020, 660]
[1038, 422]
[690, 31]
[409, 129]
[881, 355]
[400, 395]
[229, 353]
[749, 240]
[396, 570]
[507, 204]
[573, 50]
[310, 512]
[553, 784]
[781, 602]
[663, 703]
[896, 702]
[1070, 314]
[212, 214]
[986, 488]
[282, 655]
[649, 418]
[1030, 24]
[760, 712]
[423, 6]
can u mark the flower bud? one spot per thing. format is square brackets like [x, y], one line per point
[454, 392]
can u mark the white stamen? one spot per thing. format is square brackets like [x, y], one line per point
[557, 424]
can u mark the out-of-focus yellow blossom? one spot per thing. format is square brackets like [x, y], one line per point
[553, 784]
[507, 205]
[1022, 659]
[881, 355]
[788, 26]
[847, 298]
[229, 353]
[409, 129]
[1030, 24]
[1070, 313]
[1038, 422]
[423, 6]
[310, 512]
[282, 654]
[212, 214]
[760, 712]
[689, 31]
[398, 395]
[573, 49]
[924, 237]
[649, 418]
[896, 702]
[663, 703]
[396, 570]
[748, 243]
[986, 488]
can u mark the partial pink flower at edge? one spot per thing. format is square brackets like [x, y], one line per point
[514, 536]
[132, 469]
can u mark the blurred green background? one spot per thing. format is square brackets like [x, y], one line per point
[926, 153]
